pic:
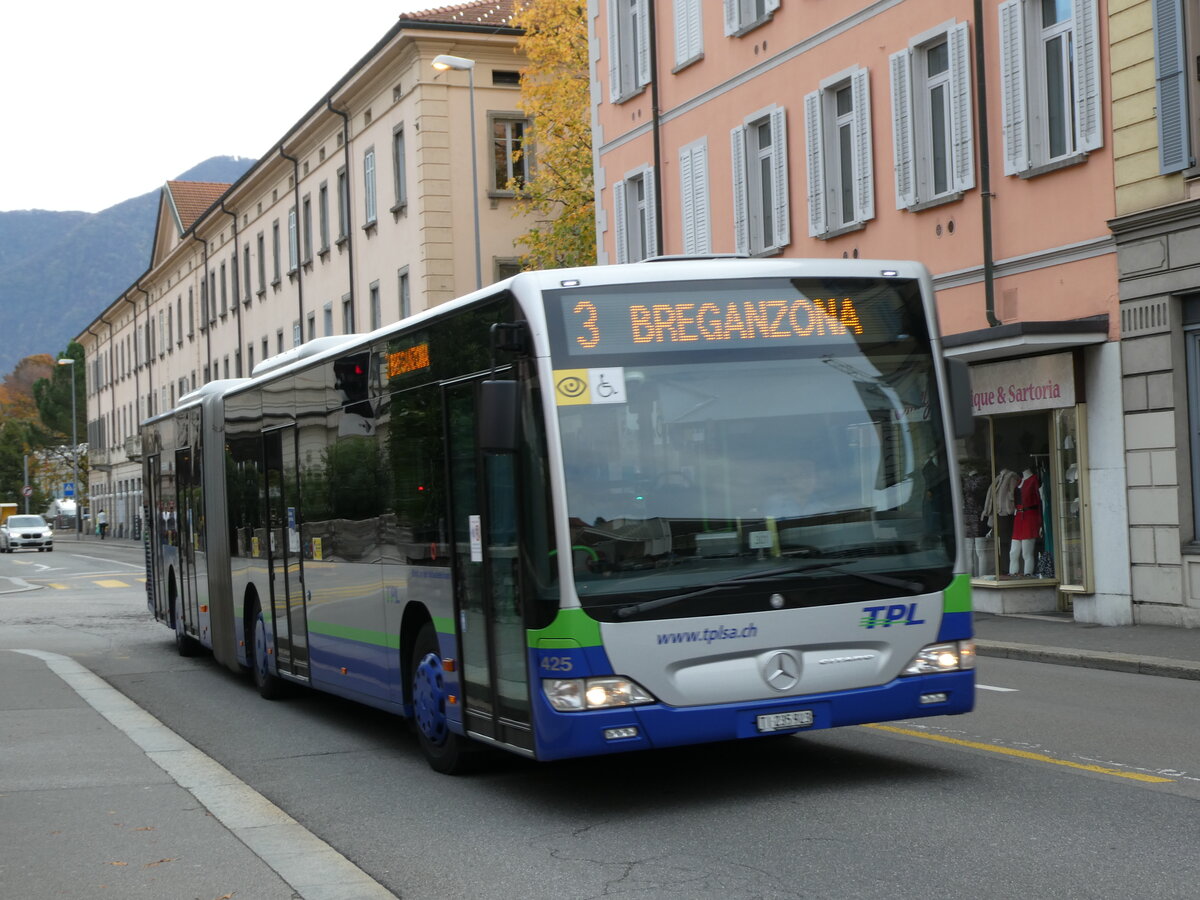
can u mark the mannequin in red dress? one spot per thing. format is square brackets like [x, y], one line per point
[1027, 525]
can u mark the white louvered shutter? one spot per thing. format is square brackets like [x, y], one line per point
[815, 149]
[962, 131]
[772, 5]
[614, 53]
[732, 18]
[682, 10]
[643, 47]
[902, 129]
[779, 172]
[687, 200]
[1014, 109]
[864, 166]
[619, 222]
[1089, 116]
[741, 220]
[651, 221]
[700, 204]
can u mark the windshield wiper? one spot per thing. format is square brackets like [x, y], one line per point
[913, 587]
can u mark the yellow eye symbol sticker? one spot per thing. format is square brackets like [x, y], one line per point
[571, 387]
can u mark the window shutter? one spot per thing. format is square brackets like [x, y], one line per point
[703, 216]
[614, 53]
[687, 200]
[741, 228]
[902, 132]
[619, 221]
[682, 22]
[815, 148]
[864, 168]
[772, 5]
[1089, 116]
[1170, 64]
[779, 172]
[1013, 106]
[651, 223]
[732, 19]
[962, 133]
[643, 47]
[695, 29]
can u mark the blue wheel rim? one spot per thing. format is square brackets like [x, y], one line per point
[429, 699]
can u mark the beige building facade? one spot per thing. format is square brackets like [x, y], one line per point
[362, 213]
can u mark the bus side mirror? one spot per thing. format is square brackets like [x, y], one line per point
[499, 405]
[962, 410]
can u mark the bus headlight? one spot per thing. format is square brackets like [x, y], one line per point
[572, 694]
[952, 656]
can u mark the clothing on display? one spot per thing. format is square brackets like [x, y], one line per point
[1027, 525]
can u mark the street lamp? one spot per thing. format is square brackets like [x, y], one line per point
[67, 361]
[443, 62]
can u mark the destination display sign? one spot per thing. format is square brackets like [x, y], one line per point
[721, 315]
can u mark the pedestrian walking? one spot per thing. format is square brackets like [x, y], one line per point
[102, 523]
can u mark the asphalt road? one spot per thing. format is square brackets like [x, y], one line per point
[1064, 782]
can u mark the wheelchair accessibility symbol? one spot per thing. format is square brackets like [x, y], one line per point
[581, 387]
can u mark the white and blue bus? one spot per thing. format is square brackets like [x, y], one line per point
[588, 511]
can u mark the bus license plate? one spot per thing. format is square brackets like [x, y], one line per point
[801, 718]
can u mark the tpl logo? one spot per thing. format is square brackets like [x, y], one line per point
[887, 616]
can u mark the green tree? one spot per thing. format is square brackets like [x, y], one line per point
[555, 94]
[53, 395]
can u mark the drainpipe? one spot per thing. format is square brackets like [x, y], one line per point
[112, 396]
[237, 300]
[137, 392]
[655, 127]
[299, 262]
[208, 326]
[985, 172]
[149, 355]
[349, 206]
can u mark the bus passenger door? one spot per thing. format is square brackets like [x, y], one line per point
[484, 503]
[188, 524]
[286, 561]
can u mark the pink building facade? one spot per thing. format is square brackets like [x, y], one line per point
[972, 136]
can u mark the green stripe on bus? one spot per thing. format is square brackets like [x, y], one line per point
[362, 635]
[957, 597]
[569, 625]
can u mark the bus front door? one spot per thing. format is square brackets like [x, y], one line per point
[288, 599]
[485, 506]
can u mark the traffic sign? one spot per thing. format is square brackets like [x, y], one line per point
[69, 489]
[27, 491]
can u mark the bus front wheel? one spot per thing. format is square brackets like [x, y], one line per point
[446, 752]
[270, 686]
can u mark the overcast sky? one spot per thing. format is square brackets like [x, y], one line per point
[106, 101]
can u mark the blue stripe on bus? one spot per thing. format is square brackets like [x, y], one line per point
[956, 626]
[565, 735]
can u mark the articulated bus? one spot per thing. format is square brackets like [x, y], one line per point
[588, 511]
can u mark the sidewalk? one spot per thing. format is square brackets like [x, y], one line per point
[1142, 649]
[100, 798]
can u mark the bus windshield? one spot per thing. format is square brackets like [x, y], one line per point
[799, 461]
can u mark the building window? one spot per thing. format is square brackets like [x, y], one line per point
[246, 271]
[297, 334]
[689, 37]
[323, 217]
[1049, 83]
[204, 317]
[743, 15]
[293, 241]
[399, 176]
[1175, 38]
[693, 196]
[276, 269]
[308, 231]
[369, 186]
[328, 319]
[931, 118]
[235, 288]
[510, 162]
[405, 299]
[266, 348]
[376, 309]
[279, 340]
[224, 293]
[170, 329]
[629, 48]
[347, 314]
[841, 185]
[343, 189]
[635, 215]
[761, 208]
[250, 359]
[179, 320]
[262, 265]
[312, 325]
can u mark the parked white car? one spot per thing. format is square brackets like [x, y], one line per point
[29, 532]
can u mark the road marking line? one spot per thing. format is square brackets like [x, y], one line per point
[308, 864]
[58, 587]
[110, 583]
[991, 687]
[111, 562]
[1022, 754]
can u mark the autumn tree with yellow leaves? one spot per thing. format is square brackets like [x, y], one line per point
[555, 94]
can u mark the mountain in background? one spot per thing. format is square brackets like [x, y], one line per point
[59, 270]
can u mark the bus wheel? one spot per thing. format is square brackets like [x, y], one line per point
[445, 751]
[270, 687]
